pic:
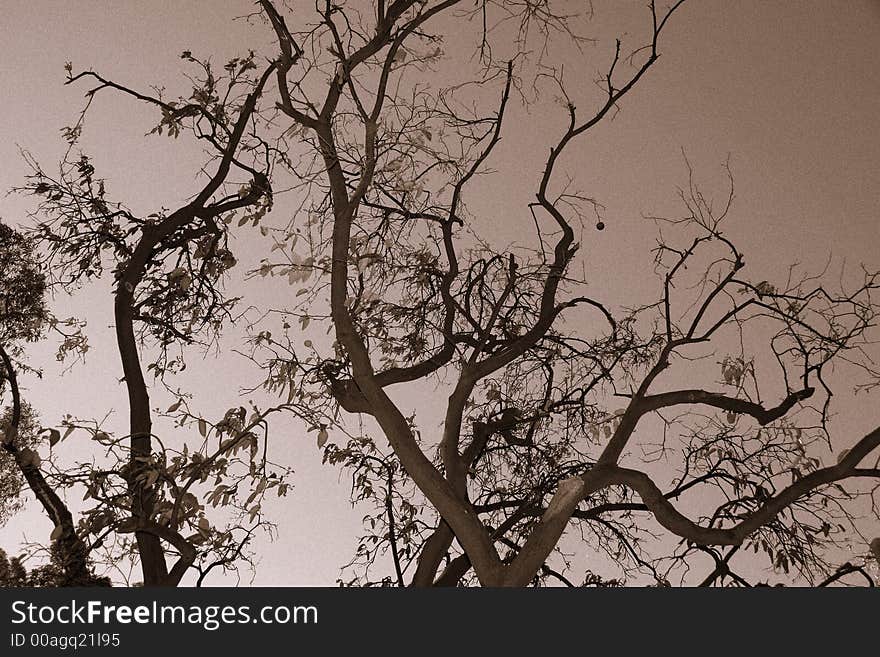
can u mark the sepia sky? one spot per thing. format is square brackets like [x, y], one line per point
[788, 90]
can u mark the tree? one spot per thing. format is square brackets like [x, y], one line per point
[167, 270]
[546, 413]
[12, 573]
[51, 575]
[24, 314]
[671, 436]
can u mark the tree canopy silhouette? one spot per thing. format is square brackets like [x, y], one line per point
[508, 415]
[550, 426]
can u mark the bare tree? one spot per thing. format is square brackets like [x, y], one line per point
[532, 447]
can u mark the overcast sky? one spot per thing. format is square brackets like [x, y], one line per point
[788, 90]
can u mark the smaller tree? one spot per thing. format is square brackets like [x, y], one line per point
[168, 269]
[12, 572]
[24, 315]
[51, 575]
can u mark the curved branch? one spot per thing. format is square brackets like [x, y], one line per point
[742, 406]
[847, 569]
[670, 518]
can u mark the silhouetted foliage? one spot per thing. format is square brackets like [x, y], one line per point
[552, 420]
[12, 482]
[149, 496]
[22, 288]
[52, 575]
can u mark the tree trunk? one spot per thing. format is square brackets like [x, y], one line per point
[153, 565]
